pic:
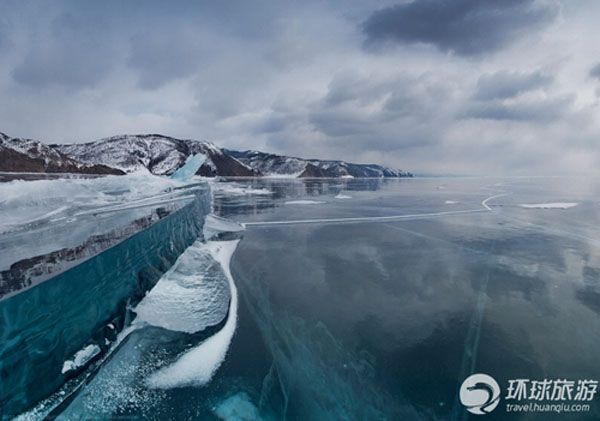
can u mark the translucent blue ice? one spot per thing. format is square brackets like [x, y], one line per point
[190, 168]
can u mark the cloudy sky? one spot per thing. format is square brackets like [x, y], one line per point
[433, 86]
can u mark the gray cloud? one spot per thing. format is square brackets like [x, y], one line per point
[595, 71]
[383, 114]
[274, 123]
[503, 84]
[464, 27]
[72, 55]
[518, 97]
[539, 111]
[4, 41]
[161, 57]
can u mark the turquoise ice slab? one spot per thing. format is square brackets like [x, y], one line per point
[43, 326]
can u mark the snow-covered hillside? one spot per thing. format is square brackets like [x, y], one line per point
[161, 155]
[26, 155]
[278, 165]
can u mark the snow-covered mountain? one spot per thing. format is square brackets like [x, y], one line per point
[278, 165]
[164, 155]
[161, 155]
[26, 155]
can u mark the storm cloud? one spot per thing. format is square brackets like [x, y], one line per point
[595, 71]
[464, 27]
[541, 110]
[505, 84]
[163, 57]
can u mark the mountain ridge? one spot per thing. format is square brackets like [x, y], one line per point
[269, 162]
[28, 155]
[159, 154]
[164, 155]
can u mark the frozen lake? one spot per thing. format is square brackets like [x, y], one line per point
[385, 318]
[365, 299]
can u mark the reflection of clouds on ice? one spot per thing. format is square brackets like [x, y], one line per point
[314, 374]
[320, 378]
[555, 205]
[197, 366]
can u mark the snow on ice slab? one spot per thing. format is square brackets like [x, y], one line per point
[283, 175]
[81, 358]
[555, 205]
[451, 202]
[197, 366]
[304, 202]
[191, 296]
[343, 196]
[24, 202]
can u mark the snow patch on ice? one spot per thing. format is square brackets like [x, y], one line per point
[283, 175]
[304, 202]
[451, 202]
[81, 358]
[343, 196]
[236, 408]
[190, 296]
[238, 190]
[197, 366]
[555, 205]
